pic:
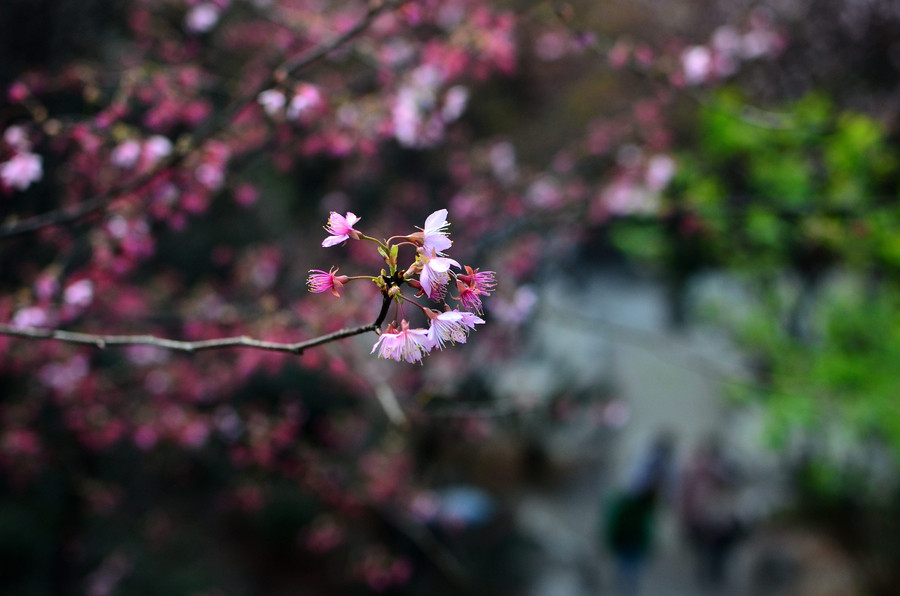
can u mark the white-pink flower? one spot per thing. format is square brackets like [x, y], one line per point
[16, 137]
[23, 169]
[202, 18]
[406, 344]
[80, 293]
[454, 103]
[272, 101]
[697, 64]
[307, 98]
[157, 147]
[452, 326]
[434, 276]
[434, 234]
[341, 228]
[660, 169]
[126, 154]
[31, 316]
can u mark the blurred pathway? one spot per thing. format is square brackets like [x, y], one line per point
[611, 330]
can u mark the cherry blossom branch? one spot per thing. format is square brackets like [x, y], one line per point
[601, 46]
[243, 341]
[187, 145]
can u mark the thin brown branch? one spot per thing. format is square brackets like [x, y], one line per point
[209, 128]
[242, 341]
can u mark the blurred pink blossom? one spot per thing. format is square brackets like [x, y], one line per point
[157, 147]
[126, 154]
[201, 18]
[660, 169]
[31, 316]
[697, 64]
[15, 137]
[80, 293]
[22, 170]
[306, 99]
[272, 101]
[455, 101]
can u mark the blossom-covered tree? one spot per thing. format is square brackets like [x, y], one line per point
[165, 170]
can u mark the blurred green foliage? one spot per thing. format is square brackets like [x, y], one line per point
[805, 217]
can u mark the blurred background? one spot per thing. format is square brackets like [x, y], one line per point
[686, 382]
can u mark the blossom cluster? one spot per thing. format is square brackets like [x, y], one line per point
[431, 273]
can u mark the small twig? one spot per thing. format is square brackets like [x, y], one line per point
[243, 341]
[202, 133]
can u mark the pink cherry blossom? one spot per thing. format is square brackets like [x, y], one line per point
[319, 281]
[406, 344]
[31, 316]
[272, 101]
[455, 102]
[482, 282]
[434, 275]
[697, 63]
[80, 293]
[126, 154]
[469, 298]
[157, 147]
[341, 228]
[452, 326]
[472, 285]
[306, 99]
[434, 234]
[660, 169]
[469, 319]
[202, 18]
[16, 137]
[23, 169]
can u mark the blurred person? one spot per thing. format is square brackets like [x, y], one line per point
[709, 519]
[630, 517]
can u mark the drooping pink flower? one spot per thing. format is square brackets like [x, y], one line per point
[319, 281]
[469, 298]
[341, 228]
[452, 326]
[406, 344]
[434, 234]
[435, 275]
[472, 285]
[23, 169]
